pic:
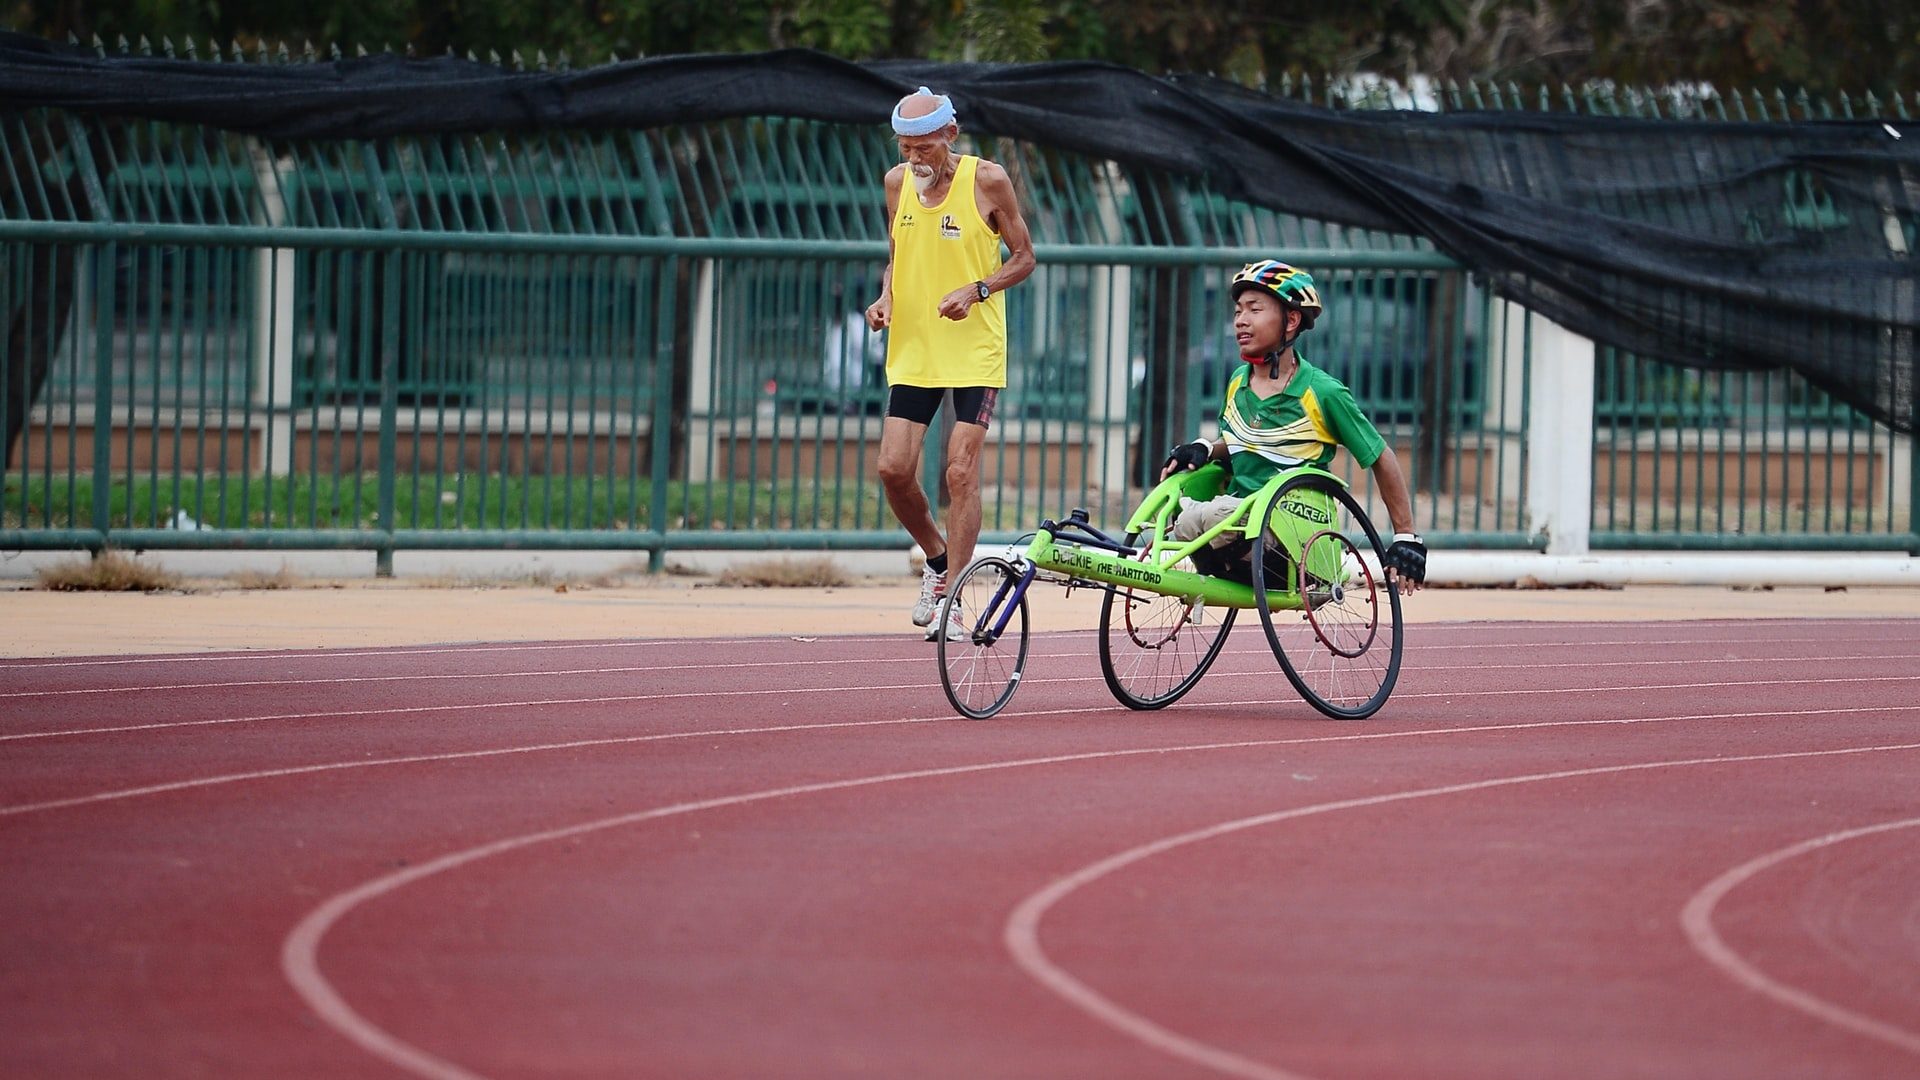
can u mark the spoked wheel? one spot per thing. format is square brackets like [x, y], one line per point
[1331, 616]
[980, 665]
[1154, 648]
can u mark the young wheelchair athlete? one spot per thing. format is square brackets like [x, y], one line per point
[1281, 412]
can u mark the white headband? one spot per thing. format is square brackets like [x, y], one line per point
[928, 124]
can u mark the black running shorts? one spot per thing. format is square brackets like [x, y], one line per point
[971, 404]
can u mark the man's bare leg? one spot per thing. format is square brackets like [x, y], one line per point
[900, 448]
[963, 493]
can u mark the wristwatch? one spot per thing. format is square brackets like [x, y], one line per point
[981, 286]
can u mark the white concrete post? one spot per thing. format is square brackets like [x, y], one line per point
[1109, 374]
[1110, 355]
[700, 377]
[1560, 438]
[273, 318]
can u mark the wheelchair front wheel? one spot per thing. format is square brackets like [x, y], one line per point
[1154, 647]
[1331, 616]
[980, 665]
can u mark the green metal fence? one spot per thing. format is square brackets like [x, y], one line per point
[1688, 459]
[650, 341]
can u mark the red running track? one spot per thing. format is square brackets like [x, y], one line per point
[1594, 850]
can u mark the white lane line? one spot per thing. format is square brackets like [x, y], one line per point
[398, 710]
[1696, 918]
[415, 650]
[1021, 933]
[416, 759]
[639, 643]
[142, 688]
[137, 688]
[618, 740]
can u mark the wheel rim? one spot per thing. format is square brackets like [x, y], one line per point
[1152, 629]
[1345, 612]
[1333, 620]
[1154, 647]
[980, 671]
[1143, 634]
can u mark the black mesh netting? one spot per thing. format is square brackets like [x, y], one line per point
[1710, 244]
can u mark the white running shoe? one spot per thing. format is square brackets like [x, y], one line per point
[956, 626]
[933, 589]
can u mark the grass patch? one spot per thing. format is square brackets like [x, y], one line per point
[786, 574]
[111, 571]
[627, 572]
[283, 578]
[468, 501]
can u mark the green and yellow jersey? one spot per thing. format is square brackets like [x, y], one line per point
[1306, 423]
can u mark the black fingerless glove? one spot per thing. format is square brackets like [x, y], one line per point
[1407, 557]
[1189, 455]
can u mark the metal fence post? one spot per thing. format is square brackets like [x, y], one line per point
[392, 280]
[103, 308]
[104, 266]
[273, 300]
[389, 409]
[661, 435]
[1913, 474]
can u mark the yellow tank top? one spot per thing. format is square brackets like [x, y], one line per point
[937, 249]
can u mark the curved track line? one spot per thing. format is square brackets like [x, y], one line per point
[417, 759]
[299, 953]
[1021, 934]
[1697, 919]
[456, 755]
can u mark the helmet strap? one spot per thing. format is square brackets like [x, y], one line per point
[1273, 358]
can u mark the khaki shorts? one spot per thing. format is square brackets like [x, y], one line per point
[1197, 517]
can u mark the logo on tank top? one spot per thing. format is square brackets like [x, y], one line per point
[949, 228]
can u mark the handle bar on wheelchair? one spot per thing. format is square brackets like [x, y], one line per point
[1080, 530]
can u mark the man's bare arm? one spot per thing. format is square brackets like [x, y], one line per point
[1390, 479]
[1001, 208]
[880, 312]
[993, 195]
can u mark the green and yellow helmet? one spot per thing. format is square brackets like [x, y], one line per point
[1290, 286]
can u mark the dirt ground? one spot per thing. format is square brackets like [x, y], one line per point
[361, 613]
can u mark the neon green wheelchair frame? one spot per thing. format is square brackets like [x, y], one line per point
[1157, 608]
[1158, 570]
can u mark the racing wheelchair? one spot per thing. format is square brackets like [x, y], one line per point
[1300, 552]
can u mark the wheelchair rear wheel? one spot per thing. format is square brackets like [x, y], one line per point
[1154, 647]
[1331, 616]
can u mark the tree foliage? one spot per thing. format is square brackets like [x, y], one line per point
[1816, 45]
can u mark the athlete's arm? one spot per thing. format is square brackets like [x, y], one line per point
[993, 195]
[1001, 209]
[880, 312]
[1394, 490]
[1391, 480]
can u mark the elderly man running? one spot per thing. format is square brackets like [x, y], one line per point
[940, 299]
